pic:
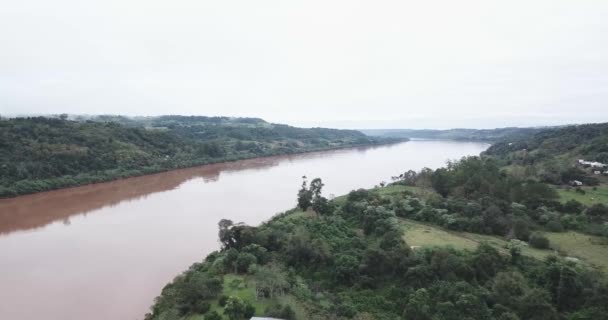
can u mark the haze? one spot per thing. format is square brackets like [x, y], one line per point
[357, 64]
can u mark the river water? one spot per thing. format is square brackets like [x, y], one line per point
[104, 251]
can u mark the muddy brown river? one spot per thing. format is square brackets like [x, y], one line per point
[104, 251]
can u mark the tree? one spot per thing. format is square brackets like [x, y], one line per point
[235, 308]
[440, 181]
[304, 196]
[224, 233]
[346, 269]
[270, 281]
[536, 305]
[418, 306]
[573, 206]
[322, 206]
[235, 235]
[316, 187]
[597, 212]
[244, 261]
[509, 288]
[521, 230]
[487, 261]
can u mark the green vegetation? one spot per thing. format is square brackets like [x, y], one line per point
[552, 155]
[490, 135]
[591, 249]
[485, 237]
[367, 259]
[38, 154]
[584, 195]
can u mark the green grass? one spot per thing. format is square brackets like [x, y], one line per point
[591, 249]
[422, 235]
[600, 195]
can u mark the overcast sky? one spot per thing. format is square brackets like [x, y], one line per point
[352, 63]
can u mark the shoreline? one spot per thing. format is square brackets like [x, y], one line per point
[153, 172]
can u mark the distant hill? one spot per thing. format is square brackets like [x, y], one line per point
[40, 153]
[589, 141]
[489, 135]
[552, 154]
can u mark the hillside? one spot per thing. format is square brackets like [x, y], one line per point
[38, 154]
[552, 155]
[488, 135]
[473, 240]
[378, 254]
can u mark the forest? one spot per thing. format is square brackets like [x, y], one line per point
[471, 240]
[45, 153]
[487, 135]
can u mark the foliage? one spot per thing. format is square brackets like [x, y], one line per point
[354, 263]
[38, 154]
[539, 241]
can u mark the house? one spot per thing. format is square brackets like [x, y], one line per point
[596, 172]
[576, 183]
[592, 164]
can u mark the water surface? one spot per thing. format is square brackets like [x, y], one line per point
[104, 251]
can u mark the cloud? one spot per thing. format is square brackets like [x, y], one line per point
[360, 63]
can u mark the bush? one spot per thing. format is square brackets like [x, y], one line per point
[244, 261]
[555, 226]
[249, 310]
[201, 307]
[539, 241]
[222, 301]
[213, 315]
[521, 230]
[281, 312]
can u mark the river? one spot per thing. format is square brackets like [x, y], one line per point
[104, 251]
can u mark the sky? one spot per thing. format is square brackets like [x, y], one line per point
[346, 64]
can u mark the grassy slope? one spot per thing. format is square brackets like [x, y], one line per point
[600, 195]
[587, 248]
[590, 249]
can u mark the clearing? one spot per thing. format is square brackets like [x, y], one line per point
[590, 249]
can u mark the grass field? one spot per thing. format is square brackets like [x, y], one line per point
[600, 195]
[590, 249]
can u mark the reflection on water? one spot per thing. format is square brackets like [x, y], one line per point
[104, 251]
[37, 210]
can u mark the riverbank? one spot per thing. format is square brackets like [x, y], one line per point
[65, 182]
[113, 246]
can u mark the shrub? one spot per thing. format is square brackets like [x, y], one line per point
[555, 226]
[521, 230]
[201, 307]
[539, 241]
[244, 261]
[213, 315]
[280, 311]
[249, 310]
[222, 301]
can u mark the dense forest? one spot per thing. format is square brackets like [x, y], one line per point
[42, 153]
[471, 240]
